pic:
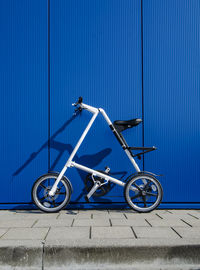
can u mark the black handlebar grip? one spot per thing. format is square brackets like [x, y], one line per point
[80, 100]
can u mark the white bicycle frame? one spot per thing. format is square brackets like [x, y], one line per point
[70, 163]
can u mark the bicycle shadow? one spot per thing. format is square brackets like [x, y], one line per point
[90, 160]
[47, 144]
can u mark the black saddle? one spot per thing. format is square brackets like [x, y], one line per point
[122, 125]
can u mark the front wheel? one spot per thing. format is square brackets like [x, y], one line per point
[40, 193]
[143, 193]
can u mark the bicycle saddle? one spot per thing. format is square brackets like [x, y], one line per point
[128, 123]
[121, 125]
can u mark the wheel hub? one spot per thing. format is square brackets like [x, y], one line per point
[47, 196]
[143, 193]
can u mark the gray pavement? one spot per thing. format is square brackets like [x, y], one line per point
[88, 239]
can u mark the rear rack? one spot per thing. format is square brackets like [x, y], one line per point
[122, 141]
[146, 150]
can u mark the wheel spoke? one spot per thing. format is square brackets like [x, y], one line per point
[144, 200]
[152, 194]
[147, 185]
[137, 186]
[43, 186]
[61, 186]
[41, 190]
[53, 201]
[60, 193]
[143, 192]
[42, 199]
[136, 196]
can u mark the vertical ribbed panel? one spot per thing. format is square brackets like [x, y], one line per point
[23, 97]
[172, 95]
[95, 53]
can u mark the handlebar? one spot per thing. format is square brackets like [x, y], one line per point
[80, 100]
[80, 106]
[79, 109]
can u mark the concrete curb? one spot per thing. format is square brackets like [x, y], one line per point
[18, 254]
[93, 254]
[121, 254]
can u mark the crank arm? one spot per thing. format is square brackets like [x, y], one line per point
[92, 191]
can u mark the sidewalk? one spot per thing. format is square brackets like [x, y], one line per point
[88, 239]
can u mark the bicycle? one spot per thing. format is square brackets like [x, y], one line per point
[142, 191]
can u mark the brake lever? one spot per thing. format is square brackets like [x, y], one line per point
[77, 110]
[80, 99]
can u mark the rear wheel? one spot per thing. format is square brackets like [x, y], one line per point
[143, 193]
[40, 193]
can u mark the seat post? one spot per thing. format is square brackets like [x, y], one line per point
[119, 138]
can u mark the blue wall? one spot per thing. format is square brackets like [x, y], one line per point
[23, 98]
[52, 52]
[172, 96]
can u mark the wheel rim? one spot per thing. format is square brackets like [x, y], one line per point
[146, 194]
[44, 201]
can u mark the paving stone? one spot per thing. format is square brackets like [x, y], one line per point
[194, 213]
[7, 212]
[142, 216]
[15, 223]
[111, 232]
[76, 216]
[155, 232]
[35, 211]
[188, 232]
[180, 211]
[109, 215]
[100, 212]
[192, 221]
[197, 215]
[64, 233]
[185, 213]
[92, 214]
[123, 211]
[9, 217]
[66, 216]
[167, 223]
[26, 233]
[159, 211]
[117, 215]
[2, 231]
[91, 222]
[36, 216]
[173, 216]
[54, 223]
[69, 211]
[129, 222]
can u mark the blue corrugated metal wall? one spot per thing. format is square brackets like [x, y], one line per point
[172, 96]
[23, 98]
[133, 58]
[96, 53]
